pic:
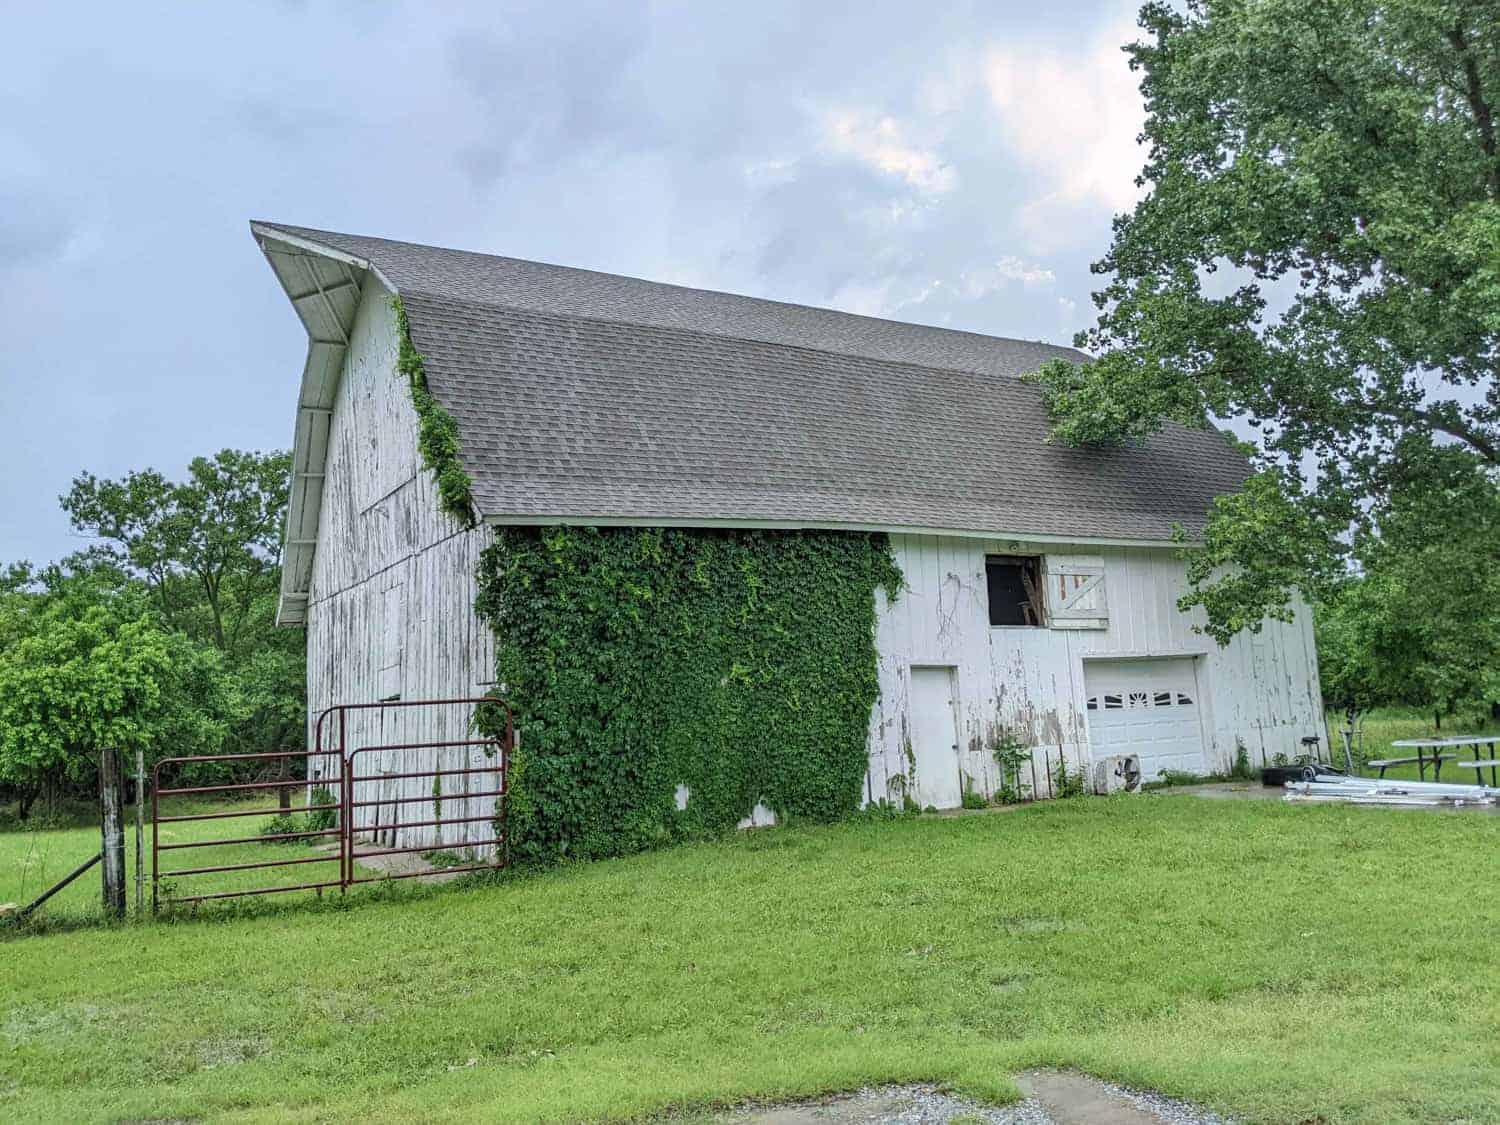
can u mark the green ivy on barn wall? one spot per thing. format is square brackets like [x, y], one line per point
[739, 663]
[437, 432]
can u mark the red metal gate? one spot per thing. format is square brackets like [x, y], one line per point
[363, 823]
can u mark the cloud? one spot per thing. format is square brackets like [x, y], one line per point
[881, 142]
[1072, 116]
[987, 279]
[950, 164]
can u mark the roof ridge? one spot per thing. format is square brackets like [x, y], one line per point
[305, 232]
[443, 298]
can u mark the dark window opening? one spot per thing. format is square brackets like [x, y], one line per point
[1015, 589]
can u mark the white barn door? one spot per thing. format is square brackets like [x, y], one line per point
[1149, 708]
[934, 737]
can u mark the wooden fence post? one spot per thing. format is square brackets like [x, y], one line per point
[140, 829]
[112, 827]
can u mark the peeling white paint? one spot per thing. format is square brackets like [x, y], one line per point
[1261, 689]
[760, 817]
[389, 559]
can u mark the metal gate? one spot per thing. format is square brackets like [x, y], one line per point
[370, 817]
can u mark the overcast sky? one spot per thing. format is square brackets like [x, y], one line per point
[950, 163]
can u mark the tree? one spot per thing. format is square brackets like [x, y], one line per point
[208, 549]
[88, 667]
[1338, 163]
[1421, 623]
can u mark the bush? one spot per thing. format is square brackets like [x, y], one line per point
[1066, 782]
[282, 824]
[316, 820]
[322, 819]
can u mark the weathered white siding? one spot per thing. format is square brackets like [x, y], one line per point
[1260, 690]
[392, 593]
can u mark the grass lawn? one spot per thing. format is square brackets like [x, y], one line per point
[1287, 963]
[33, 857]
[1387, 724]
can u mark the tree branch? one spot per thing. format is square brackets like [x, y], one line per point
[1482, 443]
[1484, 114]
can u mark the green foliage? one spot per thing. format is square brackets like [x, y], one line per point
[741, 664]
[437, 432]
[87, 667]
[283, 824]
[1242, 768]
[972, 798]
[207, 551]
[206, 547]
[1066, 782]
[1010, 755]
[320, 819]
[1318, 258]
[1259, 549]
[321, 815]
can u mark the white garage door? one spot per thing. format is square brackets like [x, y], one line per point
[1146, 707]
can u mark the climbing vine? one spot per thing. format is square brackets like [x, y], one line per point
[437, 432]
[648, 664]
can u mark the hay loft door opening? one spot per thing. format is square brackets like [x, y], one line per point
[934, 737]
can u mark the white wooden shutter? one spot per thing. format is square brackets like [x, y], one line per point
[392, 641]
[1076, 595]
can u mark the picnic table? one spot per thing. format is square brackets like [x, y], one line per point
[1436, 757]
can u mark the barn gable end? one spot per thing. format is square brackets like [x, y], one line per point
[390, 612]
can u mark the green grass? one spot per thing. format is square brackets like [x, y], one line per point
[35, 855]
[1289, 963]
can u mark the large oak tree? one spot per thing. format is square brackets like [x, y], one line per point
[1318, 259]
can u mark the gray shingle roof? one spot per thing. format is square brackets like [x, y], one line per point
[584, 395]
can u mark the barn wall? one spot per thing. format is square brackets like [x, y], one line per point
[1261, 690]
[392, 593]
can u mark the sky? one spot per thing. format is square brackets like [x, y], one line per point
[955, 164]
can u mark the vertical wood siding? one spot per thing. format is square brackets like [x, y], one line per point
[1260, 690]
[388, 557]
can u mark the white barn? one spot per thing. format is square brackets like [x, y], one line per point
[1042, 581]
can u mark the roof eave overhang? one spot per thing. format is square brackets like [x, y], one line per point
[1008, 535]
[324, 286]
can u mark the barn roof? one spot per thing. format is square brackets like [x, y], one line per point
[584, 397]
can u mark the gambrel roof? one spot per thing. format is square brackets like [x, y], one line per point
[584, 397]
